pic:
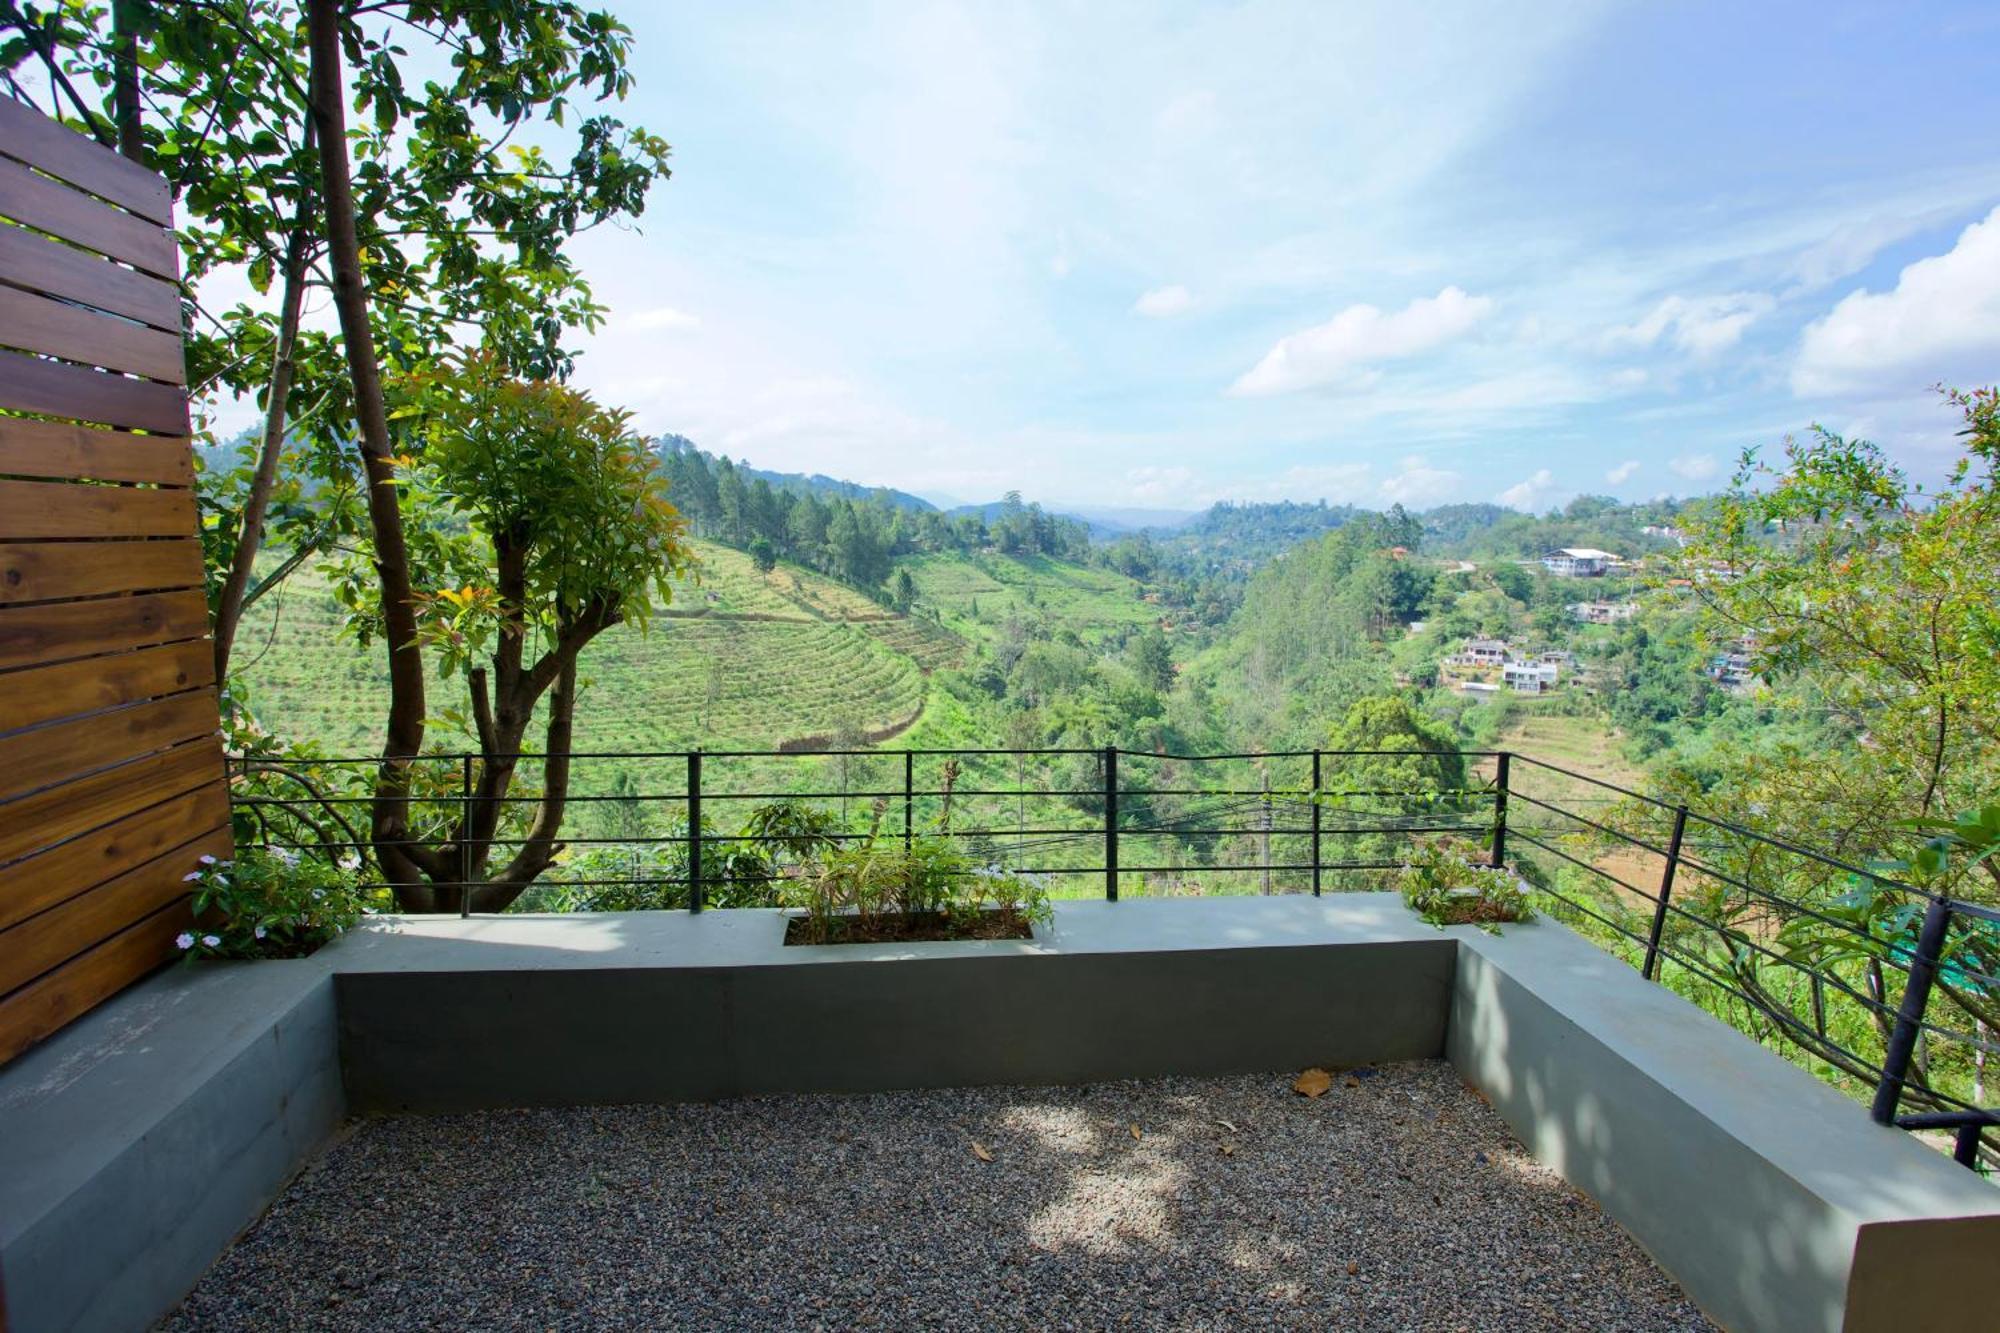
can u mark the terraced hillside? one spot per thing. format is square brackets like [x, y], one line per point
[977, 592]
[739, 660]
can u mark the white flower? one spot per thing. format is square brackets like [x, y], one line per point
[191, 877]
[212, 941]
[319, 893]
[351, 861]
[184, 941]
[259, 932]
[207, 860]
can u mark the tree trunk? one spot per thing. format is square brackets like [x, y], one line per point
[540, 846]
[125, 78]
[405, 738]
[229, 607]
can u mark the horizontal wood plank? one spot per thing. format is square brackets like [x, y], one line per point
[90, 453]
[54, 207]
[46, 941]
[64, 871]
[33, 323]
[58, 389]
[27, 135]
[34, 635]
[42, 265]
[32, 760]
[44, 571]
[44, 1006]
[40, 509]
[36, 823]
[72, 689]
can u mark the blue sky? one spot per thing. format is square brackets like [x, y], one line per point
[1162, 255]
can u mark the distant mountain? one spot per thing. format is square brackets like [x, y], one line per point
[1137, 520]
[814, 482]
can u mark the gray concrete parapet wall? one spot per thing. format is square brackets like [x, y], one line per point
[666, 1007]
[136, 1144]
[1773, 1199]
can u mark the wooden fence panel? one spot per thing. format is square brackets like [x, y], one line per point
[111, 775]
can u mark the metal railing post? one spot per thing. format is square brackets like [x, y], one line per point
[1652, 963]
[465, 838]
[1111, 823]
[909, 801]
[1910, 1014]
[1498, 856]
[1315, 822]
[694, 830]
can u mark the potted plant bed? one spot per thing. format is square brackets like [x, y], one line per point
[986, 923]
[882, 890]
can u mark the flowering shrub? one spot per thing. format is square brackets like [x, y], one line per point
[273, 904]
[1445, 888]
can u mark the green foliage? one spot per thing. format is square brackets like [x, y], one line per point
[274, 904]
[560, 488]
[861, 888]
[1872, 602]
[1442, 885]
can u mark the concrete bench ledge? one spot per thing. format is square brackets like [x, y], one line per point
[136, 1144]
[1773, 1199]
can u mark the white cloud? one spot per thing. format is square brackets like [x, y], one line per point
[1623, 473]
[1419, 484]
[1851, 247]
[1530, 495]
[1341, 349]
[1165, 302]
[1942, 322]
[663, 318]
[1700, 326]
[1694, 467]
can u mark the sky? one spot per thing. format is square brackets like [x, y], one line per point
[1168, 254]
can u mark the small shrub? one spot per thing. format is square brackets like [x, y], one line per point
[1444, 887]
[880, 889]
[273, 904]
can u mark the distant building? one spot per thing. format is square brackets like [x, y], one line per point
[1529, 677]
[1732, 669]
[1578, 562]
[1483, 652]
[1602, 613]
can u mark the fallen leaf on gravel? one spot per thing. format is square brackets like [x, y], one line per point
[1352, 1268]
[1353, 1082]
[1228, 1150]
[1231, 1128]
[979, 1151]
[1135, 1130]
[1313, 1083]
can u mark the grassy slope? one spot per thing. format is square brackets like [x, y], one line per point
[737, 660]
[1090, 601]
[818, 657]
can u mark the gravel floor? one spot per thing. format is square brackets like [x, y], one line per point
[1396, 1201]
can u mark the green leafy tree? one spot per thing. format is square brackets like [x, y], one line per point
[1873, 602]
[533, 486]
[763, 555]
[1153, 660]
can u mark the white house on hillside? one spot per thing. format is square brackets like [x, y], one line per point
[1578, 562]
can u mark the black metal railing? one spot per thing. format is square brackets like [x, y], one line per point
[1763, 932]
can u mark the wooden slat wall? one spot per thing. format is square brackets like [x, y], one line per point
[111, 780]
